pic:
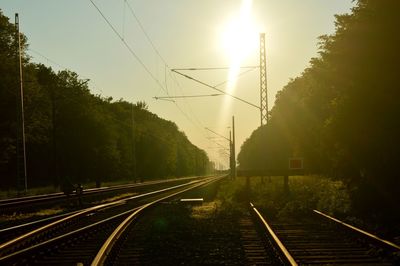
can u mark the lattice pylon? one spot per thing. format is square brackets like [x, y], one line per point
[263, 82]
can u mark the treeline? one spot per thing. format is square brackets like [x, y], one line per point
[74, 135]
[342, 114]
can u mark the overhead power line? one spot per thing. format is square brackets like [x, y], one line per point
[166, 99]
[166, 67]
[211, 68]
[215, 88]
[220, 145]
[212, 131]
[143, 65]
[186, 96]
[127, 125]
[238, 76]
[48, 59]
[51, 61]
[128, 47]
[145, 33]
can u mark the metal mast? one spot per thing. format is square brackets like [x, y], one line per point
[134, 170]
[21, 103]
[233, 149]
[263, 82]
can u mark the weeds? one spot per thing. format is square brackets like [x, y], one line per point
[23, 216]
[306, 193]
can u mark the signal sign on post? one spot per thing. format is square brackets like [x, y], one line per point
[296, 163]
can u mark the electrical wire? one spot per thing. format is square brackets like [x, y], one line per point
[122, 123]
[53, 62]
[141, 62]
[238, 76]
[185, 96]
[199, 125]
[211, 68]
[145, 33]
[165, 64]
[214, 88]
[127, 46]
[134, 54]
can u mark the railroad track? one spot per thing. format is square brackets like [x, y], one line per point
[11, 229]
[170, 235]
[77, 238]
[115, 233]
[324, 240]
[30, 202]
[167, 234]
[115, 249]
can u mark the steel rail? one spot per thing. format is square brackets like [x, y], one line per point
[54, 217]
[3, 230]
[60, 237]
[108, 245]
[28, 235]
[275, 238]
[25, 237]
[4, 203]
[365, 233]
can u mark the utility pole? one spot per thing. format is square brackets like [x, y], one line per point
[233, 148]
[230, 154]
[20, 103]
[133, 145]
[54, 140]
[263, 82]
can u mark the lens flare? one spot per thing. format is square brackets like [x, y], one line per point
[239, 39]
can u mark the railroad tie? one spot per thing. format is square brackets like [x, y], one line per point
[253, 246]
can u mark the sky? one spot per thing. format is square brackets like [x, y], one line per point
[133, 58]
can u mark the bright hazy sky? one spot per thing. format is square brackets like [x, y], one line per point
[187, 34]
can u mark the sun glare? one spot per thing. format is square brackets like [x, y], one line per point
[239, 39]
[240, 35]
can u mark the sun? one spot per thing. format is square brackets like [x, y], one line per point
[239, 40]
[239, 37]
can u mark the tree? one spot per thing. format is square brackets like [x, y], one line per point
[342, 112]
[76, 136]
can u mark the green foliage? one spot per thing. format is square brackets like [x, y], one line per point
[315, 192]
[342, 113]
[306, 193]
[73, 135]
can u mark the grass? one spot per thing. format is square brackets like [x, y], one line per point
[205, 211]
[306, 193]
[23, 216]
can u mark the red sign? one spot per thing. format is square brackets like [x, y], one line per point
[295, 163]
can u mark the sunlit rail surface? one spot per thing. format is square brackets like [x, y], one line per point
[29, 202]
[83, 231]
